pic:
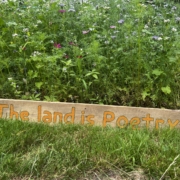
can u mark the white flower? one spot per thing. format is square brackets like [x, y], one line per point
[159, 39]
[64, 69]
[178, 19]
[14, 35]
[25, 29]
[166, 20]
[10, 79]
[166, 38]
[36, 53]
[143, 5]
[91, 29]
[146, 26]
[71, 10]
[106, 7]
[174, 29]
[39, 22]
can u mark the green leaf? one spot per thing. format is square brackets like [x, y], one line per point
[88, 74]
[84, 83]
[68, 62]
[95, 76]
[166, 90]
[38, 84]
[157, 72]
[144, 94]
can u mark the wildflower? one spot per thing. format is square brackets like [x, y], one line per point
[71, 10]
[166, 20]
[121, 21]
[66, 56]
[159, 39]
[166, 38]
[91, 29]
[64, 69]
[61, 5]
[25, 29]
[4, 1]
[177, 19]
[10, 79]
[57, 45]
[155, 37]
[146, 26]
[174, 29]
[85, 32]
[72, 43]
[143, 5]
[36, 53]
[39, 22]
[62, 11]
[112, 27]
[118, 6]
[113, 37]
[14, 35]
[174, 8]
[106, 7]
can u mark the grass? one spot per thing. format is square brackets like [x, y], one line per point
[38, 151]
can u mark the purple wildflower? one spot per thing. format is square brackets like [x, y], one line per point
[121, 21]
[62, 11]
[57, 45]
[155, 37]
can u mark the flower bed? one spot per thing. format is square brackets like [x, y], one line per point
[115, 52]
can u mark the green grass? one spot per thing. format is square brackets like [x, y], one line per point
[37, 151]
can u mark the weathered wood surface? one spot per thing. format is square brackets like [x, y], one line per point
[101, 115]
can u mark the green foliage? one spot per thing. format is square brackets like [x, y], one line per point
[108, 52]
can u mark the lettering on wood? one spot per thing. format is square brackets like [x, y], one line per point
[121, 117]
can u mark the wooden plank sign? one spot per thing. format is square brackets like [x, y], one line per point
[100, 115]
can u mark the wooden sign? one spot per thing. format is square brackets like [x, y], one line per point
[100, 115]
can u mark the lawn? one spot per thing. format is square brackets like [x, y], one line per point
[39, 151]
